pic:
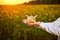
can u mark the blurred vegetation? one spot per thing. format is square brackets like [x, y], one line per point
[12, 28]
[44, 2]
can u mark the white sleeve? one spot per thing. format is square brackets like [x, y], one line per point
[52, 27]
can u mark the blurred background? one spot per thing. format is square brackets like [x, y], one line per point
[11, 17]
[43, 2]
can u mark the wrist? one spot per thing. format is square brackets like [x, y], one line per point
[37, 24]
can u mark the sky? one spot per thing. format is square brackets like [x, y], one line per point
[12, 2]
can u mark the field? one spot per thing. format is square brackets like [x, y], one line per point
[12, 27]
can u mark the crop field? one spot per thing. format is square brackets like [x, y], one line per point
[12, 27]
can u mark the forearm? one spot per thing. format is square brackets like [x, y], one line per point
[50, 27]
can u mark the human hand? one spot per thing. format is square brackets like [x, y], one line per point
[31, 24]
[30, 20]
[34, 24]
[28, 23]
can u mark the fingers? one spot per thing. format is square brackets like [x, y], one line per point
[28, 23]
[31, 24]
[36, 24]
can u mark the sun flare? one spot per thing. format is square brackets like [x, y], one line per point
[13, 2]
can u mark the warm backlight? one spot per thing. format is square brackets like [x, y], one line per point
[13, 2]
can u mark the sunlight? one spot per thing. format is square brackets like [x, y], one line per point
[13, 2]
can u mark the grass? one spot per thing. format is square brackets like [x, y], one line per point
[12, 28]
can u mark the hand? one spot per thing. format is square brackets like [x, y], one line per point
[31, 21]
[28, 23]
[36, 24]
